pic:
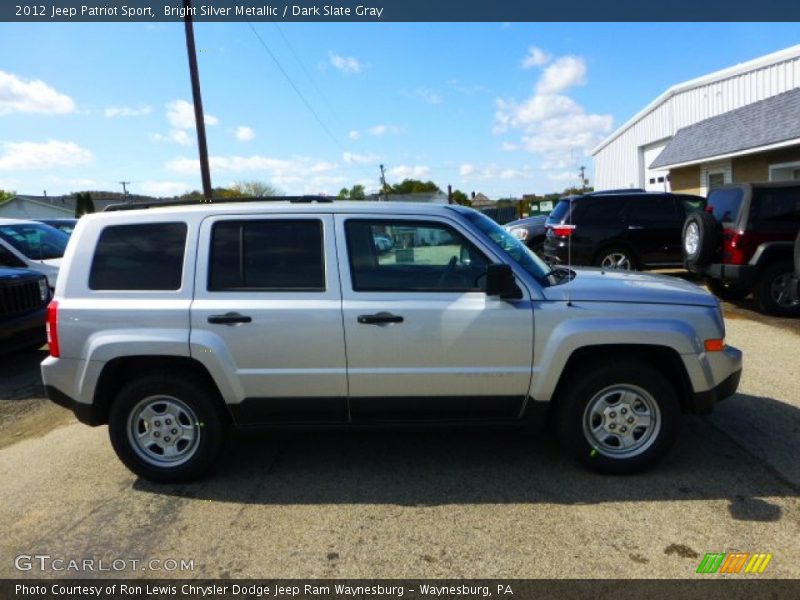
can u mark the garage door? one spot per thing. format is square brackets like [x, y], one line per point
[654, 180]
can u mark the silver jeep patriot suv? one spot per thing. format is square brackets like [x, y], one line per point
[174, 325]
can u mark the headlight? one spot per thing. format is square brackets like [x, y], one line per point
[520, 234]
[44, 290]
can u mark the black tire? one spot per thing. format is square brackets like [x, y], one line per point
[772, 293]
[573, 416]
[605, 257]
[727, 290]
[708, 238]
[205, 423]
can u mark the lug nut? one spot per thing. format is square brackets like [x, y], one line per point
[612, 426]
[156, 434]
[174, 432]
[167, 439]
[612, 414]
[157, 423]
[168, 421]
[630, 419]
[624, 411]
[623, 429]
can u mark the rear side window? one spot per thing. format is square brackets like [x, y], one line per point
[776, 209]
[148, 256]
[652, 209]
[725, 204]
[269, 255]
[600, 210]
[559, 213]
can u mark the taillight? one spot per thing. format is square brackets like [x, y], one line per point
[734, 247]
[563, 230]
[52, 328]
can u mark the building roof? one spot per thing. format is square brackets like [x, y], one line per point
[765, 123]
[786, 54]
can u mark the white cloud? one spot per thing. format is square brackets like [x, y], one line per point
[563, 176]
[127, 111]
[31, 96]
[72, 182]
[564, 73]
[410, 171]
[179, 136]
[509, 147]
[429, 96]
[383, 130]
[346, 64]
[180, 115]
[354, 135]
[536, 57]
[45, 155]
[163, 188]
[471, 172]
[550, 122]
[244, 133]
[360, 159]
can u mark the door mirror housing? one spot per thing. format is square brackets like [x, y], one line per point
[500, 282]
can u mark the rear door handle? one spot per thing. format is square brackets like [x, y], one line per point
[230, 318]
[379, 319]
[635, 227]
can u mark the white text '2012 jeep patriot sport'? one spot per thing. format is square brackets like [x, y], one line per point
[173, 324]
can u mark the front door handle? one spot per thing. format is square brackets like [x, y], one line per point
[379, 318]
[230, 318]
[635, 227]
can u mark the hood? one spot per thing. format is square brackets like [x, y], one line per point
[53, 262]
[596, 285]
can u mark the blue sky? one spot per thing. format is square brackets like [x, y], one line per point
[503, 109]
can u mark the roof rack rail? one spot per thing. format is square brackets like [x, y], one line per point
[255, 199]
[616, 191]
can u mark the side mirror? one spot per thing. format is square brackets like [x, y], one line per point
[500, 282]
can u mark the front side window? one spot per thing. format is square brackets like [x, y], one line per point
[268, 255]
[147, 257]
[412, 256]
[37, 241]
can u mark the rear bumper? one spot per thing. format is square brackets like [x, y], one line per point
[733, 273]
[85, 413]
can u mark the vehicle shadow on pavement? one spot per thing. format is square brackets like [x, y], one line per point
[430, 468]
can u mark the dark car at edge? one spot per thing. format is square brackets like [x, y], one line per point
[24, 296]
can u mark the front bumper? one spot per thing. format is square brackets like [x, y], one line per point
[703, 402]
[23, 331]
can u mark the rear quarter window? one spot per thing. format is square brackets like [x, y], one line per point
[600, 210]
[775, 209]
[147, 256]
[725, 204]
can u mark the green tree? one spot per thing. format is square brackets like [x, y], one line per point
[344, 193]
[83, 204]
[414, 186]
[5, 196]
[461, 198]
[256, 189]
[357, 192]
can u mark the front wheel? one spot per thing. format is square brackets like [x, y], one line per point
[618, 418]
[165, 429]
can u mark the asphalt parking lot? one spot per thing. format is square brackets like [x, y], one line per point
[417, 504]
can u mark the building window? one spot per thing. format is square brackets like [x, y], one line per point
[716, 179]
[785, 172]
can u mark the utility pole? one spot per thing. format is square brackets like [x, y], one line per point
[124, 185]
[583, 179]
[383, 183]
[205, 173]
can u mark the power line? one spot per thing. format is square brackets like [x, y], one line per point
[296, 89]
[308, 74]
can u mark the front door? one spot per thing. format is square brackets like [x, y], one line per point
[423, 339]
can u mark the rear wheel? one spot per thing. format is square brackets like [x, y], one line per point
[773, 292]
[727, 290]
[165, 429]
[616, 258]
[618, 418]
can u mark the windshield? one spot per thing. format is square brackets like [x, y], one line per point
[35, 240]
[510, 244]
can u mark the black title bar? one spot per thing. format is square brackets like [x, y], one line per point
[147, 11]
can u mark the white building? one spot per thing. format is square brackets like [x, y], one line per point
[738, 124]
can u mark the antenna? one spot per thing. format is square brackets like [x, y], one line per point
[569, 252]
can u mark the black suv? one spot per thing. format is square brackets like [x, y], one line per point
[24, 296]
[743, 242]
[620, 229]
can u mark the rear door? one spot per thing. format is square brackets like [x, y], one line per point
[268, 305]
[423, 339]
[653, 226]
